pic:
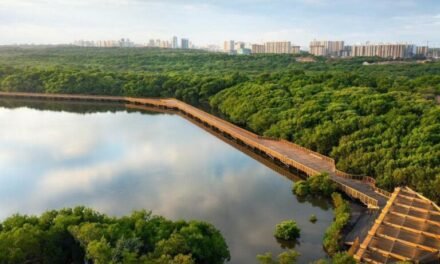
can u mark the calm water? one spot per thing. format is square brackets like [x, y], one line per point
[55, 155]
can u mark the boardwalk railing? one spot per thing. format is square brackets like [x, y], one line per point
[365, 199]
[365, 179]
[246, 137]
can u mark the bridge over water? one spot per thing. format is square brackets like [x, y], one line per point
[291, 155]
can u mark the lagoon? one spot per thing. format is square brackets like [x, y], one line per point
[115, 160]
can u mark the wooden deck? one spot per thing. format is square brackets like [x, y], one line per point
[408, 229]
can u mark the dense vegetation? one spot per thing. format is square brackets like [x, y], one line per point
[287, 230]
[79, 234]
[378, 120]
[287, 257]
[317, 185]
[333, 238]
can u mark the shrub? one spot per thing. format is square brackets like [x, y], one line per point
[316, 185]
[287, 230]
[287, 257]
[313, 218]
[300, 188]
[321, 184]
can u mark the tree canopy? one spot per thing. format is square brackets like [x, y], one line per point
[77, 234]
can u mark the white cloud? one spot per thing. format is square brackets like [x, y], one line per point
[86, 178]
[209, 21]
[53, 138]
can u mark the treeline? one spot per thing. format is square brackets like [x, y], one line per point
[140, 59]
[378, 120]
[82, 235]
[194, 89]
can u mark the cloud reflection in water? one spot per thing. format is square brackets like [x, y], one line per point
[118, 162]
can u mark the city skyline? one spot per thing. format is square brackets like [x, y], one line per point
[258, 21]
[327, 48]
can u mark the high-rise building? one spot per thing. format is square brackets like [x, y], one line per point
[326, 48]
[175, 44]
[346, 52]
[295, 49]
[184, 43]
[394, 51]
[165, 44]
[122, 43]
[229, 46]
[318, 50]
[422, 51]
[280, 47]
[258, 49]
[334, 48]
[151, 43]
[125, 43]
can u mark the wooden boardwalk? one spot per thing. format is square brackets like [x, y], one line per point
[408, 229]
[291, 155]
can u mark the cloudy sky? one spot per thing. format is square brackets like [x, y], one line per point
[212, 21]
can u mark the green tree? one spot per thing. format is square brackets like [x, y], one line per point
[287, 257]
[287, 230]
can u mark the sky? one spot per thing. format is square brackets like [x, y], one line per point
[213, 21]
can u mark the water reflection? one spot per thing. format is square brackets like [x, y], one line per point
[115, 161]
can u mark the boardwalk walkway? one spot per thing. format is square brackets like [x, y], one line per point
[313, 163]
[290, 154]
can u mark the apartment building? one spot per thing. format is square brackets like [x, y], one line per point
[326, 48]
[281, 47]
[318, 50]
[184, 43]
[384, 50]
[295, 49]
[175, 42]
[258, 49]
[422, 51]
[229, 46]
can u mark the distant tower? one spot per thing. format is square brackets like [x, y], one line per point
[229, 46]
[175, 44]
[184, 43]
